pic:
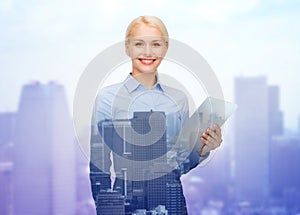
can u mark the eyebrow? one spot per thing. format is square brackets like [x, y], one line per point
[145, 41]
[137, 40]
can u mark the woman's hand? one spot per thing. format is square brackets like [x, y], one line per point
[211, 139]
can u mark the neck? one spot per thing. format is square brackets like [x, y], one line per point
[147, 79]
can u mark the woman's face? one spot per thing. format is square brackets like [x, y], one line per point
[146, 47]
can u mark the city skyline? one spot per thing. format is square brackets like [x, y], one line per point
[219, 181]
[288, 130]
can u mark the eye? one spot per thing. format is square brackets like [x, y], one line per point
[156, 44]
[139, 44]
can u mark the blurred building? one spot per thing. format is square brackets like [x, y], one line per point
[7, 126]
[216, 174]
[252, 139]
[44, 156]
[6, 188]
[275, 114]
[285, 172]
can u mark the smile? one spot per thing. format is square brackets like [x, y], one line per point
[147, 61]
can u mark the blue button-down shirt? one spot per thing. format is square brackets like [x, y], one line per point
[120, 101]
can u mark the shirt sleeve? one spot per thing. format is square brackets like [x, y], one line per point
[99, 177]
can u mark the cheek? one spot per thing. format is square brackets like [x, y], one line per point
[158, 61]
[132, 53]
[135, 62]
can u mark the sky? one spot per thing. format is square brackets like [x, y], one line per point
[55, 40]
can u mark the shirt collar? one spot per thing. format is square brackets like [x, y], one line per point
[132, 84]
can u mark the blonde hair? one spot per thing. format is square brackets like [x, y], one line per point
[152, 21]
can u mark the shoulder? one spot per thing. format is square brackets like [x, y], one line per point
[110, 90]
[174, 93]
[104, 100]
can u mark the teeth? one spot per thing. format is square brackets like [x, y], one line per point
[147, 61]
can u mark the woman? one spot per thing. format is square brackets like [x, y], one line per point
[142, 92]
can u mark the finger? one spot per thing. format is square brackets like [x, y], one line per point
[208, 146]
[213, 142]
[204, 135]
[218, 130]
[214, 135]
[203, 140]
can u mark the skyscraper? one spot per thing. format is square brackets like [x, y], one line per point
[44, 156]
[275, 115]
[251, 139]
[110, 202]
[143, 179]
[7, 126]
[99, 165]
[6, 206]
[174, 199]
[285, 172]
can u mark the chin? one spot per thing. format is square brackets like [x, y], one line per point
[141, 71]
[145, 69]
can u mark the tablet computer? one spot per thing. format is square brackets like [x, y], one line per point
[211, 111]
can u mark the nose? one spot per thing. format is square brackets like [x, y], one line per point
[148, 50]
